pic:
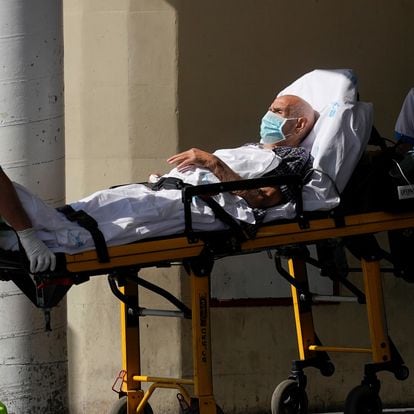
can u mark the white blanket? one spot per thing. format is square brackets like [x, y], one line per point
[133, 212]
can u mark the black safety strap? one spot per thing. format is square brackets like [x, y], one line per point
[168, 183]
[226, 218]
[173, 183]
[89, 223]
[338, 215]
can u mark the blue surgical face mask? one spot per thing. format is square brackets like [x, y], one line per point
[271, 128]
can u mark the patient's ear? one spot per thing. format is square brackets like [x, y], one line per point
[302, 129]
[297, 135]
[301, 124]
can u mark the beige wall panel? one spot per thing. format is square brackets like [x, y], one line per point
[111, 5]
[151, 5]
[105, 47]
[96, 105]
[93, 346]
[118, 84]
[105, 128]
[150, 62]
[152, 90]
[152, 122]
[73, 85]
[98, 5]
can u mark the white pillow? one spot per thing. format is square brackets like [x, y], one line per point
[340, 134]
[323, 89]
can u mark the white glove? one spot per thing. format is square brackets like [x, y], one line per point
[39, 255]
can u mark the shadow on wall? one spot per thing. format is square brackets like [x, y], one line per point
[234, 56]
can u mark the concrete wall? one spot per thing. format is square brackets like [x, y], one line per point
[146, 78]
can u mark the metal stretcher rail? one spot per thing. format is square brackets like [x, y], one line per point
[170, 249]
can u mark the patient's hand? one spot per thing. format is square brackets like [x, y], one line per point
[194, 157]
[261, 198]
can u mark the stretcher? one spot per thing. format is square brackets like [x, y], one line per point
[197, 252]
[353, 222]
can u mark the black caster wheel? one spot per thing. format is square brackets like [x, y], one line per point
[363, 400]
[402, 373]
[328, 369]
[288, 398]
[120, 407]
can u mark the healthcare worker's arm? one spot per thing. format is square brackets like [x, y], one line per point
[261, 198]
[12, 211]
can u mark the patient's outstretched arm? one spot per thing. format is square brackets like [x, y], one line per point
[194, 157]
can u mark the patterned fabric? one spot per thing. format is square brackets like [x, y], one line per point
[295, 161]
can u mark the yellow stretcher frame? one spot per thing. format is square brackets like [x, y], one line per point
[199, 265]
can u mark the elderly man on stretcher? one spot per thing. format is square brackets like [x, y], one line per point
[132, 212]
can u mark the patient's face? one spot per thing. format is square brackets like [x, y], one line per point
[282, 106]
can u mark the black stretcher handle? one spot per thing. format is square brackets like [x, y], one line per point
[294, 181]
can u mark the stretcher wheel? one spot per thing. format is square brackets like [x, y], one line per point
[328, 369]
[120, 407]
[402, 373]
[363, 400]
[289, 398]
